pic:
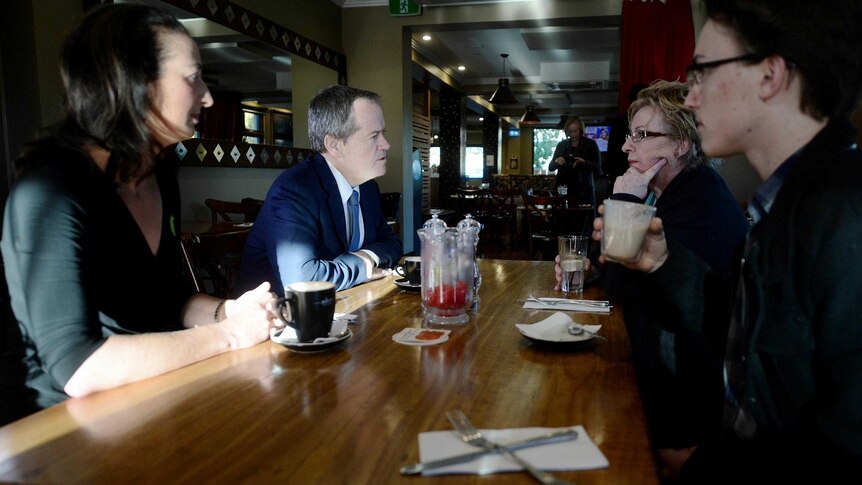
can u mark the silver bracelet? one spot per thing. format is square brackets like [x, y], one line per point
[218, 308]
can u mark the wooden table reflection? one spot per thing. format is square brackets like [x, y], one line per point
[351, 414]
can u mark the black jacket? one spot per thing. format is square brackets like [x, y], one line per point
[679, 369]
[803, 363]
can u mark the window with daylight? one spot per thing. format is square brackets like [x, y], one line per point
[434, 159]
[267, 125]
[545, 140]
[473, 162]
[253, 126]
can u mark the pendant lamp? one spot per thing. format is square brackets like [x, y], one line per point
[530, 117]
[503, 95]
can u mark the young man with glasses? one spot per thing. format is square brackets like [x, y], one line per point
[776, 80]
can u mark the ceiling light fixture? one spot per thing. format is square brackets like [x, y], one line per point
[503, 95]
[530, 117]
[426, 37]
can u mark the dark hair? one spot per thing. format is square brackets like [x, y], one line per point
[821, 43]
[107, 65]
[331, 113]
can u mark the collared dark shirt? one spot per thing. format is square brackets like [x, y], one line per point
[735, 415]
[763, 198]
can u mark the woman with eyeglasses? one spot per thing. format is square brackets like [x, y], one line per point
[574, 159]
[678, 369]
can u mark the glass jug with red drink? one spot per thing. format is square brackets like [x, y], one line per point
[447, 273]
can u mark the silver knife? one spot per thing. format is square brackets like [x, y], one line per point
[554, 437]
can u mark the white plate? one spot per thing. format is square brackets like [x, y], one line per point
[554, 330]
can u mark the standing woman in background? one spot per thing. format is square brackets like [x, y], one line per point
[574, 159]
[91, 229]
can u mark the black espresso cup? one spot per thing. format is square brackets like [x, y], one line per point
[311, 306]
[411, 269]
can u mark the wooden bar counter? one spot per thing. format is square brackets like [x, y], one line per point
[350, 414]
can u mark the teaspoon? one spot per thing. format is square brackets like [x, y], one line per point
[577, 329]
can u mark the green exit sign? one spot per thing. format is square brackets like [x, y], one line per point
[404, 7]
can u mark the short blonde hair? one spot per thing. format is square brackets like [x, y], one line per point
[668, 98]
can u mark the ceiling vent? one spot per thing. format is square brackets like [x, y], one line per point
[575, 76]
[579, 86]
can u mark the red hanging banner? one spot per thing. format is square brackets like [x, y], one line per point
[657, 43]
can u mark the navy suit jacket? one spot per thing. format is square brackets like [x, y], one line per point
[301, 233]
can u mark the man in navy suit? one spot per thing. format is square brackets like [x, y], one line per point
[322, 219]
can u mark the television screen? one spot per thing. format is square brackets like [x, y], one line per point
[599, 133]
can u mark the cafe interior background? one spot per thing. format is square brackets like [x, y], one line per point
[268, 58]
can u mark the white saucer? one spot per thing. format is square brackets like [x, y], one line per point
[319, 344]
[403, 283]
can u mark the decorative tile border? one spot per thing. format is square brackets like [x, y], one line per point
[196, 152]
[246, 22]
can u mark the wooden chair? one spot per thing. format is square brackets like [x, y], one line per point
[503, 213]
[541, 214]
[212, 260]
[253, 204]
[248, 208]
[475, 201]
[472, 200]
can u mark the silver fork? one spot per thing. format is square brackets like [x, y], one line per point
[472, 436]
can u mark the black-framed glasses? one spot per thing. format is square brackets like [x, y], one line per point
[694, 71]
[639, 135]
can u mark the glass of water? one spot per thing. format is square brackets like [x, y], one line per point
[573, 250]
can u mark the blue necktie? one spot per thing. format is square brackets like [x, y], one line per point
[353, 203]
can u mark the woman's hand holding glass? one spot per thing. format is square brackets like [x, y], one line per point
[559, 271]
[654, 252]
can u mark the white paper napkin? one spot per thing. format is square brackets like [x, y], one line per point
[555, 329]
[565, 305]
[577, 454]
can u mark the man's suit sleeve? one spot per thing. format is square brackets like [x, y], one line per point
[299, 239]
